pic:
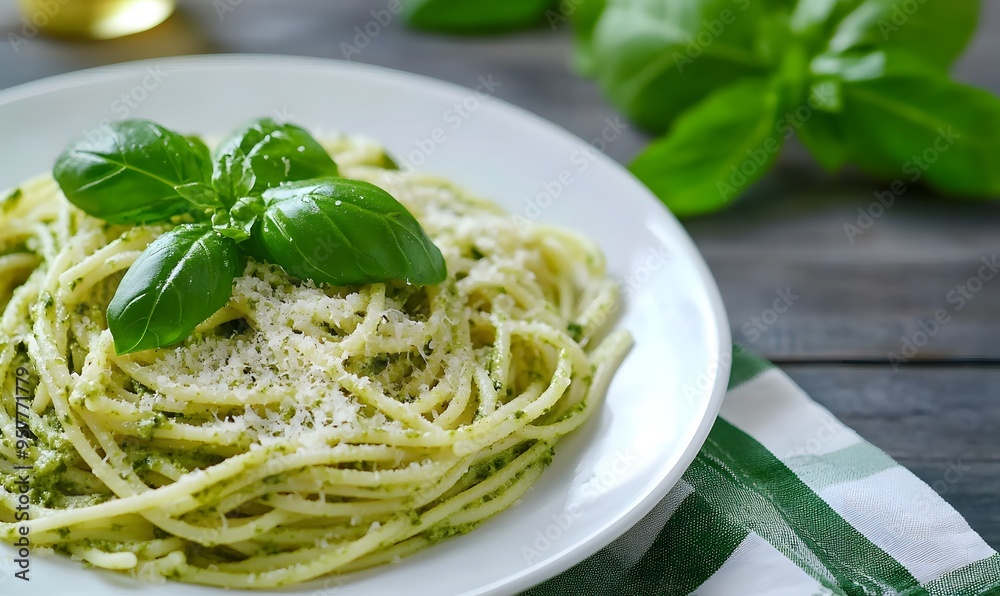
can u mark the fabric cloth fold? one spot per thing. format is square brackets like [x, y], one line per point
[783, 499]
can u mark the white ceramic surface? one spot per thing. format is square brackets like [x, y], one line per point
[663, 400]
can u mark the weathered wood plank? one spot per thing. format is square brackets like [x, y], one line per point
[922, 259]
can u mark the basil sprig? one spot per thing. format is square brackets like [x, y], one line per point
[727, 83]
[273, 153]
[270, 192]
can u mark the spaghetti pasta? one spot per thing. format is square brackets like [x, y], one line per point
[302, 430]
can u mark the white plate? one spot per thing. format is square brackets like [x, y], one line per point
[664, 398]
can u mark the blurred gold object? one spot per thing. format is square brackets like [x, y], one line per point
[95, 19]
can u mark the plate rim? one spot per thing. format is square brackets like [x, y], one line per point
[552, 567]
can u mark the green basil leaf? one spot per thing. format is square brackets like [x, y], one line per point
[275, 153]
[233, 176]
[861, 66]
[238, 221]
[201, 195]
[342, 232]
[925, 128]
[716, 149]
[198, 146]
[254, 246]
[810, 17]
[181, 279]
[822, 136]
[585, 15]
[128, 172]
[656, 59]
[823, 133]
[934, 31]
[387, 162]
[475, 16]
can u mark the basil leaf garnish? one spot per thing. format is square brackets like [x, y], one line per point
[127, 173]
[198, 146]
[341, 232]
[201, 195]
[270, 193]
[239, 220]
[232, 176]
[180, 280]
[254, 246]
[277, 153]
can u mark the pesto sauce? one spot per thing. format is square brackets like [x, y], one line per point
[9, 202]
[575, 331]
[484, 470]
[572, 411]
[439, 533]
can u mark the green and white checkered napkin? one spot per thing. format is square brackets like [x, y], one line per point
[784, 499]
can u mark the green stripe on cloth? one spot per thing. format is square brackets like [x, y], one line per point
[849, 464]
[677, 562]
[742, 521]
[750, 484]
[975, 579]
[681, 559]
[746, 366]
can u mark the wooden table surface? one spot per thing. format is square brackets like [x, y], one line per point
[858, 298]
